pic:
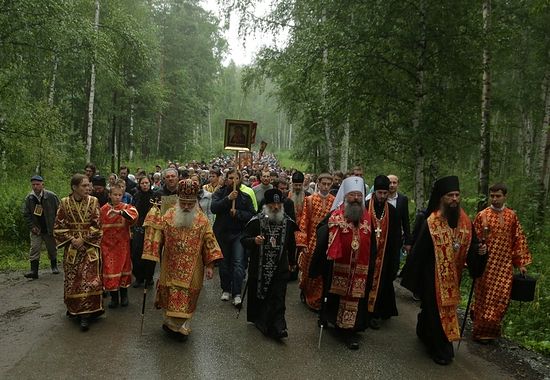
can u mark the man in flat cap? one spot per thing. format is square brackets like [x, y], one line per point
[445, 244]
[269, 236]
[39, 211]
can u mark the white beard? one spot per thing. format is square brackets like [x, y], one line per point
[274, 217]
[183, 218]
[298, 198]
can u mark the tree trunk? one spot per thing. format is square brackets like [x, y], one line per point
[290, 136]
[528, 141]
[544, 156]
[326, 123]
[89, 133]
[131, 132]
[417, 114]
[51, 94]
[113, 135]
[485, 146]
[345, 148]
[159, 124]
[210, 128]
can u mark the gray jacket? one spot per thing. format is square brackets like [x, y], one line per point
[50, 203]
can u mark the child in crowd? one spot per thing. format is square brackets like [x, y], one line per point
[116, 219]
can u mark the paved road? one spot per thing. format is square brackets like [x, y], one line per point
[38, 341]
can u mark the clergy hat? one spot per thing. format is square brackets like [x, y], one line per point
[348, 185]
[298, 177]
[441, 187]
[99, 180]
[381, 182]
[37, 178]
[188, 189]
[273, 196]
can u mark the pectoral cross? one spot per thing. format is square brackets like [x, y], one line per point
[378, 231]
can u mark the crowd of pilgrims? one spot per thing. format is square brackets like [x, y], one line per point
[265, 227]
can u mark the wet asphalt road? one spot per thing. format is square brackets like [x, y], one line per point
[38, 341]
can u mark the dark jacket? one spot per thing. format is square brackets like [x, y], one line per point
[50, 203]
[227, 227]
[402, 207]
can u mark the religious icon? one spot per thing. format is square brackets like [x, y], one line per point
[238, 134]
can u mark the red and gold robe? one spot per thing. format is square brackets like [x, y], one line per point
[316, 207]
[449, 264]
[507, 248]
[83, 285]
[381, 228]
[185, 254]
[349, 246]
[115, 246]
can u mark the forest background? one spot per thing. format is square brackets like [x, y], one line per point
[419, 88]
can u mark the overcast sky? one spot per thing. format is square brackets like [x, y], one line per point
[241, 55]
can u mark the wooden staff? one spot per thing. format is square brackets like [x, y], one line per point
[234, 182]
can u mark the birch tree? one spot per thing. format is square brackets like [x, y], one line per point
[89, 131]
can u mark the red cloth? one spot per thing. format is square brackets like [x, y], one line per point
[115, 246]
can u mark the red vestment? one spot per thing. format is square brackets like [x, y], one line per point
[315, 209]
[186, 251]
[449, 263]
[115, 246]
[349, 247]
[507, 248]
[83, 285]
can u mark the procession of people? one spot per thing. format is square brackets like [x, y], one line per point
[344, 240]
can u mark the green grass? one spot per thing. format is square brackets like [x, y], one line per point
[15, 257]
[287, 161]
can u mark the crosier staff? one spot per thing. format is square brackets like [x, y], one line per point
[463, 327]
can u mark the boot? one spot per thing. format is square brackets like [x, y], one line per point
[55, 270]
[34, 270]
[114, 300]
[124, 297]
[84, 323]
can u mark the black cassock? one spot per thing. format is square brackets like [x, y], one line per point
[419, 277]
[268, 271]
[385, 306]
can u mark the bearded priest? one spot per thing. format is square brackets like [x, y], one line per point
[270, 238]
[189, 249]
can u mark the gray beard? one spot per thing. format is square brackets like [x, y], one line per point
[274, 217]
[298, 198]
[183, 218]
[354, 211]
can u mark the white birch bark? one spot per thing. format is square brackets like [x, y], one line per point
[51, 94]
[89, 133]
[345, 148]
[544, 154]
[419, 196]
[328, 137]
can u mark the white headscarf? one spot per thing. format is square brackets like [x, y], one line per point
[348, 185]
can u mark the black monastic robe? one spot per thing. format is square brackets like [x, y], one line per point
[268, 271]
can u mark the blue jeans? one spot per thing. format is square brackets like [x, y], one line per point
[233, 266]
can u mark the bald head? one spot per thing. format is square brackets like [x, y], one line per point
[394, 183]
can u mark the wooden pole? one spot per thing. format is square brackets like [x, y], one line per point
[234, 182]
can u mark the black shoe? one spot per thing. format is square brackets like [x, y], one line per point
[441, 361]
[53, 263]
[137, 284]
[84, 323]
[173, 334]
[113, 304]
[352, 343]
[483, 341]
[281, 334]
[123, 297]
[374, 323]
[33, 274]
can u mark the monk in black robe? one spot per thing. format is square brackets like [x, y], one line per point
[269, 236]
[433, 271]
[385, 264]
